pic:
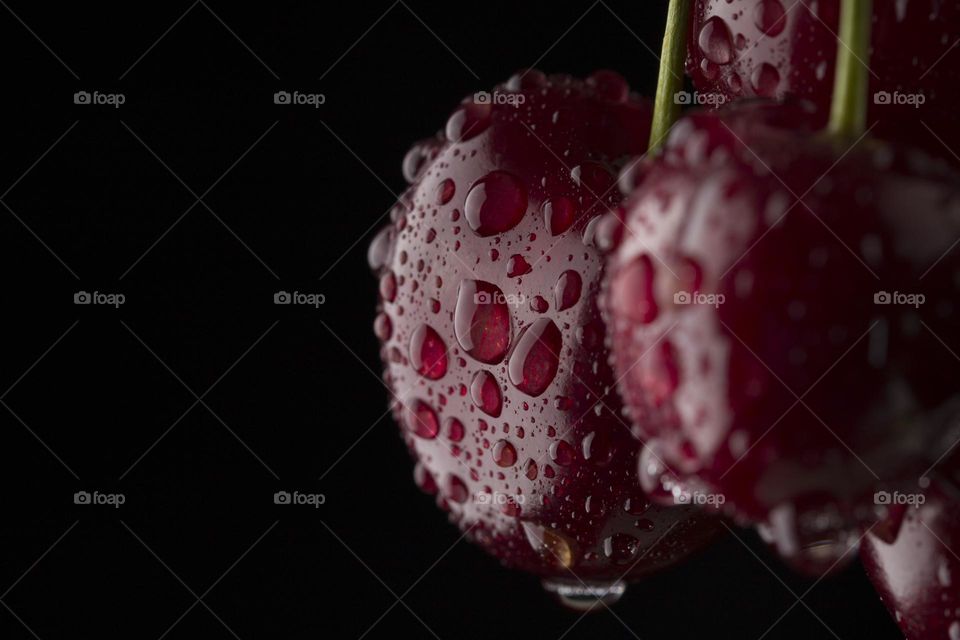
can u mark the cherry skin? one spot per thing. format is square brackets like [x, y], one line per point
[492, 341]
[773, 351]
[779, 48]
[911, 558]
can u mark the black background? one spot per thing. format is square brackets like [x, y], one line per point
[102, 399]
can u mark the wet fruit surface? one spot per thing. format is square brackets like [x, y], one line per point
[775, 48]
[786, 353]
[492, 341]
[913, 561]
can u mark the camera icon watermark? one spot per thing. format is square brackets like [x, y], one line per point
[898, 98]
[306, 299]
[908, 299]
[297, 498]
[98, 298]
[114, 500]
[510, 299]
[886, 498]
[297, 98]
[699, 499]
[699, 99]
[512, 99]
[499, 499]
[695, 297]
[100, 99]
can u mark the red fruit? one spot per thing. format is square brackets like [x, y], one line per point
[916, 570]
[495, 351]
[776, 48]
[754, 338]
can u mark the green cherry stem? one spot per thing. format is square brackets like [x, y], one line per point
[848, 111]
[666, 108]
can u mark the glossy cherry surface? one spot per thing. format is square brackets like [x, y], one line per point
[912, 559]
[776, 48]
[492, 341]
[780, 307]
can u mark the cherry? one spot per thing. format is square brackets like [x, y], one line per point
[776, 48]
[492, 340]
[911, 558]
[778, 309]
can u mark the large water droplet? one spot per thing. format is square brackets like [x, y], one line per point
[593, 177]
[421, 419]
[596, 448]
[534, 361]
[620, 548]
[379, 249]
[482, 321]
[382, 327]
[765, 80]
[457, 489]
[770, 17]
[424, 479]
[485, 393]
[715, 41]
[567, 290]
[504, 454]
[454, 429]
[549, 544]
[517, 266]
[532, 470]
[468, 121]
[388, 286]
[415, 162]
[559, 214]
[496, 203]
[445, 191]
[563, 453]
[428, 353]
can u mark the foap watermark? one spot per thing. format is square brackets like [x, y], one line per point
[695, 297]
[99, 298]
[307, 299]
[497, 297]
[909, 299]
[297, 498]
[512, 99]
[298, 98]
[887, 498]
[96, 498]
[499, 499]
[700, 499]
[898, 98]
[99, 99]
[697, 98]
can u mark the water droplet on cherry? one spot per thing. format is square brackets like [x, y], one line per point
[428, 353]
[495, 203]
[482, 321]
[421, 419]
[485, 393]
[533, 364]
[715, 41]
[567, 290]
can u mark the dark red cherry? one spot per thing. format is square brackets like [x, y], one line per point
[493, 344]
[779, 48]
[782, 309]
[912, 557]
